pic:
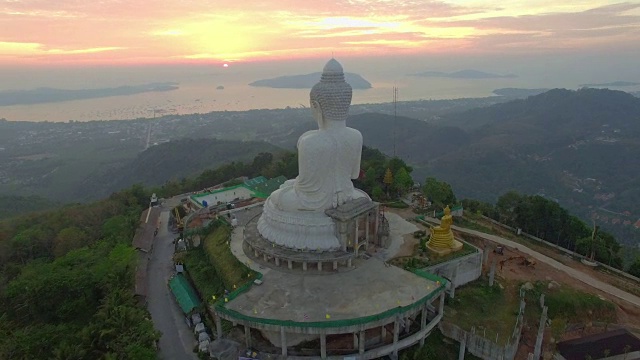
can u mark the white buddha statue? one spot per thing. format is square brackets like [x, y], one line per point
[328, 158]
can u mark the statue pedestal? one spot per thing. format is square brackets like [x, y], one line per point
[442, 251]
[303, 230]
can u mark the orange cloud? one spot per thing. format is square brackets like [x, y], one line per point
[140, 31]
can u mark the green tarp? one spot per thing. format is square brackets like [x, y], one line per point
[270, 185]
[184, 293]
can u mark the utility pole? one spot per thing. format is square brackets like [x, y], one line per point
[395, 105]
[594, 237]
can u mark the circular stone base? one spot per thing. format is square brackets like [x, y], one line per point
[275, 256]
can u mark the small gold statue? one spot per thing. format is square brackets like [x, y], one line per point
[441, 241]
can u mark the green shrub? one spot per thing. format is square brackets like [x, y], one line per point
[231, 271]
[572, 304]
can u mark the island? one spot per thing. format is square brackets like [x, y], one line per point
[308, 80]
[518, 92]
[612, 84]
[464, 74]
[49, 95]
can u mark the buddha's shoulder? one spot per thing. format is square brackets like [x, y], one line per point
[313, 139]
[353, 132]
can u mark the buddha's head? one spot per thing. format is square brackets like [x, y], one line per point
[447, 211]
[331, 97]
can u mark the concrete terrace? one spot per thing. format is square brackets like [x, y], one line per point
[370, 289]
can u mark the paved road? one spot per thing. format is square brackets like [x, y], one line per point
[576, 274]
[177, 341]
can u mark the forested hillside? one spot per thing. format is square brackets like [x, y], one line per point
[576, 147]
[12, 205]
[174, 160]
[66, 280]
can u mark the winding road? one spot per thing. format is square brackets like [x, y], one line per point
[177, 341]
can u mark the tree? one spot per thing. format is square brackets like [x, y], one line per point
[388, 177]
[506, 207]
[479, 207]
[403, 180]
[395, 164]
[377, 193]
[438, 192]
[634, 269]
[261, 161]
[68, 239]
[388, 180]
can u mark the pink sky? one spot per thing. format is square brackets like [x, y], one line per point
[47, 32]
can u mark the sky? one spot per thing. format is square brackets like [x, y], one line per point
[46, 33]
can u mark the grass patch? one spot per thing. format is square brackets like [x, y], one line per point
[436, 347]
[569, 305]
[396, 205]
[576, 305]
[232, 272]
[473, 225]
[491, 310]
[203, 275]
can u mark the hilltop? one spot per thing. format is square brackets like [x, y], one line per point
[577, 147]
[174, 160]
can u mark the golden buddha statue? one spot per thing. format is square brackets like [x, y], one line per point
[441, 241]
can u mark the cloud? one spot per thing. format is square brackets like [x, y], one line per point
[600, 17]
[35, 49]
[259, 29]
[167, 32]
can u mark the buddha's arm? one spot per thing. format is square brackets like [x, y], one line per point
[311, 167]
[355, 172]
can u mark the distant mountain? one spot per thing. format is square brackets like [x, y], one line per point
[464, 74]
[518, 93]
[612, 84]
[173, 160]
[580, 148]
[48, 95]
[415, 140]
[308, 80]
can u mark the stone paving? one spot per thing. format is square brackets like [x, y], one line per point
[372, 287]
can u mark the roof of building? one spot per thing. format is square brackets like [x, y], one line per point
[184, 293]
[269, 186]
[140, 286]
[259, 186]
[351, 209]
[255, 181]
[617, 342]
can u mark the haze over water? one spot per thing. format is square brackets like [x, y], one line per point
[197, 91]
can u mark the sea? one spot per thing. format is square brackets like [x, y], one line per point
[230, 91]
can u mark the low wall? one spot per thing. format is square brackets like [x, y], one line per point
[560, 248]
[459, 271]
[483, 347]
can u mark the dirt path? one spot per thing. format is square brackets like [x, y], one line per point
[556, 267]
[574, 273]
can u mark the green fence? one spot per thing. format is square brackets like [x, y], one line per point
[220, 307]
